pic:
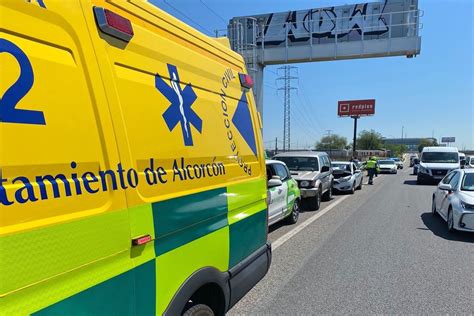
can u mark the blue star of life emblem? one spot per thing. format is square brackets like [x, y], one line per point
[179, 111]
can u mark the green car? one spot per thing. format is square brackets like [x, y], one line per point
[283, 195]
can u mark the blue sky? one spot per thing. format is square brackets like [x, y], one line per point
[431, 94]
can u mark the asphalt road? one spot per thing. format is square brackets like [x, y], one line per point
[378, 251]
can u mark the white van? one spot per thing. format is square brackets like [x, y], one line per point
[436, 162]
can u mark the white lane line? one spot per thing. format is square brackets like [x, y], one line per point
[280, 241]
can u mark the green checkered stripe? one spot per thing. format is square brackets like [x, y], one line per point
[218, 228]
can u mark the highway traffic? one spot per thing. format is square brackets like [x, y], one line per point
[172, 157]
[378, 251]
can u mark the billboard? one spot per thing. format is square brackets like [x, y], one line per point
[355, 22]
[356, 107]
[448, 139]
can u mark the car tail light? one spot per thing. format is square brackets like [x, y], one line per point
[246, 81]
[113, 24]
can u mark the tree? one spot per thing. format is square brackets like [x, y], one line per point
[330, 142]
[396, 150]
[426, 142]
[369, 140]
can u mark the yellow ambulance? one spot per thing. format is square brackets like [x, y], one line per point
[132, 171]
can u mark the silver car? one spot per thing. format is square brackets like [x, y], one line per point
[453, 200]
[347, 177]
[312, 170]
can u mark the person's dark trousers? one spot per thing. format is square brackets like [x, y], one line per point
[371, 173]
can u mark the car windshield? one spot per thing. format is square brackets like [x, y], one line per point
[440, 157]
[396, 159]
[300, 163]
[468, 182]
[341, 166]
[386, 162]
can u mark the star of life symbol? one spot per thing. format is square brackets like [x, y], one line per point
[179, 111]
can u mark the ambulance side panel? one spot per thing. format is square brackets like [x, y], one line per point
[182, 118]
[56, 239]
[169, 105]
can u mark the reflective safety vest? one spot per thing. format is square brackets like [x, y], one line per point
[371, 164]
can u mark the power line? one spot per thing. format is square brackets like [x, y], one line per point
[309, 117]
[273, 71]
[308, 102]
[214, 12]
[315, 117]
[271, 87]
[301, 125]
[187, 17]
[302, 122]
[305, 118]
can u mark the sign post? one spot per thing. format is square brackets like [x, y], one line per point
[355, 109]
[354, 141]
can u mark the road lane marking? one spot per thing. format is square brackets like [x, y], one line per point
[280, 241]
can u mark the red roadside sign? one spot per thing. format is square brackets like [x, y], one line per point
[356, 107]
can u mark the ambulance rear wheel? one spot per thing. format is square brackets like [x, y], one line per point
[199, 310]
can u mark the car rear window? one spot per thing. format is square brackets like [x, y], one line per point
[468, 182]
[300, 163]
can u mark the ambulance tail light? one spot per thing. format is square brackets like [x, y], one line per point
[246, 81]
[113, 24]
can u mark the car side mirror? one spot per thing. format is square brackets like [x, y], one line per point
[358, 171]
[325, 169]
[275, 181]
[446, 187]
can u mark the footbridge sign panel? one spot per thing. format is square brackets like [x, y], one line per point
[374, 29]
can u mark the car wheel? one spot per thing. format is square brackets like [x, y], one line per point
[328, 195]
[433, 207]
[353, 189]
[315, 202]
[360, 185]
[295, 213]
[450, 220]
[199, 310]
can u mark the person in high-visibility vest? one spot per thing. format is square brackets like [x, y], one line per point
[371, 166]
